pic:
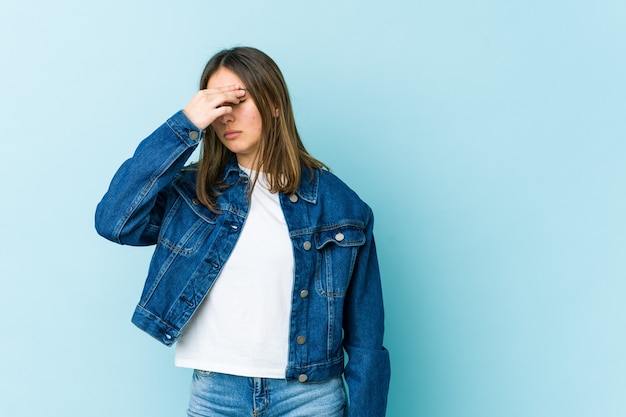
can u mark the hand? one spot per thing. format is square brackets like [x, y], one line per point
[207, 105]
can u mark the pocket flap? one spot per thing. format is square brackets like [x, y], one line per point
[341, 236]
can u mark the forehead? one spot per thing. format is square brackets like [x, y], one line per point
[224, 77]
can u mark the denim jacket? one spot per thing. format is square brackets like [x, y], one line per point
[337, 299]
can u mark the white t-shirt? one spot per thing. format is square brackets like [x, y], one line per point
[242, 326]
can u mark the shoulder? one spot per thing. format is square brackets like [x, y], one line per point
[184, 183]
[333, 191]
[332, 183]
[190, 171]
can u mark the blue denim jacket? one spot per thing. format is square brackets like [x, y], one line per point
[337, 299]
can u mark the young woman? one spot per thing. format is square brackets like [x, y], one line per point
[265, 266]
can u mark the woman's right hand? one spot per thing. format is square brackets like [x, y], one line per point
[207, 105]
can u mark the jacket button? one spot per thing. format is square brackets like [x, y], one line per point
[195, 201]
[303, 378]
[339, 237]
[193, 135]
[301, 340]
[306, 245]
[304, 294]
[293, 198]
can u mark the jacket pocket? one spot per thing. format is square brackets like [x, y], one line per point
[337, 248]
[183, 231]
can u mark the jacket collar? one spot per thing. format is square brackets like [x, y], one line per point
[231, 168]
[307, 190]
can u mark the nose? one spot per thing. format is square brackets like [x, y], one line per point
[226, 118]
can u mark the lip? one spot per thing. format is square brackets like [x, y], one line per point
[231, 134]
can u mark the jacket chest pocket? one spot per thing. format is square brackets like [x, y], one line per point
[337, 253]
[183, 231]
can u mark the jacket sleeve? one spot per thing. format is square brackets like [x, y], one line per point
[130, 212]
[367, 372]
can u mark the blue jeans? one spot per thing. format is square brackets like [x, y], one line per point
[220, 395]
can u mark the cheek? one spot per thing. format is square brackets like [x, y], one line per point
[256, 120]
[259, 124]
[253, 116]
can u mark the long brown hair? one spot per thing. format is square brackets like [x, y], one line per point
[281, 153]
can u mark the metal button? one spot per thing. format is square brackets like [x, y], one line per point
[304, 294]
[193, 135]
[301, 340]
[339, 237]
[195, 201]
[303, 378]
[293, 198]
[234, 226]
[306, 245]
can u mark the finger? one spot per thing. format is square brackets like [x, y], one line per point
[231, 97]
[225, 95]
[219, 112]
[224, 88]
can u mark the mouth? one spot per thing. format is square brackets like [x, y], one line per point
[231, 134]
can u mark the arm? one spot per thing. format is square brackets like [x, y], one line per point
[131, 210]
[367, 372]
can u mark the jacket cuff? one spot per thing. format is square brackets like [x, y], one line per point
[185, 129]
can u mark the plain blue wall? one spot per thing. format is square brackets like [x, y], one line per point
[488, 136]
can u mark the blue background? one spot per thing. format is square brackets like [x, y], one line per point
[488, 136]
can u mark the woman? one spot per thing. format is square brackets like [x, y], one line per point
[265, 266]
